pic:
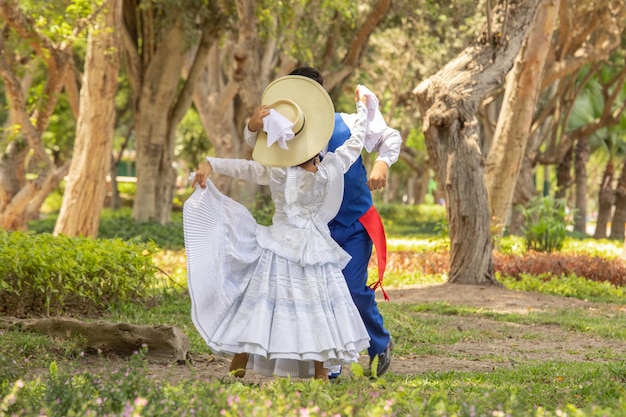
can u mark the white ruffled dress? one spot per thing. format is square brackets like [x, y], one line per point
[276, 292]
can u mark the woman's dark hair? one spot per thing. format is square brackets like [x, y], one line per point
[309, 72]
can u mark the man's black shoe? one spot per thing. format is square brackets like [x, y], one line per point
[384, 360]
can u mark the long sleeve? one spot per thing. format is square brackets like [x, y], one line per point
[388, 146]
[387, 142]
[350, 150]
[249, 136]
[242, 169]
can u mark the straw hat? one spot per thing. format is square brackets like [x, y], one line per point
[309, 107]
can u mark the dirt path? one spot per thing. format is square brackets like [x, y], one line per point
[500, 344]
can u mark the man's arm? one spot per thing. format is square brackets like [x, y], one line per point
[388, 146]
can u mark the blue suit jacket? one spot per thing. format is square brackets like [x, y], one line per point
[357, 198]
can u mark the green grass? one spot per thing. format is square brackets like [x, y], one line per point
[45, 376]
[544, 388]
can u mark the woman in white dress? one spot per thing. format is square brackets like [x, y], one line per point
[268, 293]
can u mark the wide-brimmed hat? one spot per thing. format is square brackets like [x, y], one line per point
[309, 107]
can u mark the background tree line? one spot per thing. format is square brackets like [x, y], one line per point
[490, 96]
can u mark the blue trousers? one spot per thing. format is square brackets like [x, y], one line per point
[355, 240]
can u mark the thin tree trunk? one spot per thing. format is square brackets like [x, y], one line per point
[84, 195]
[563, 175]
[619, 216]
[606, 198]
[525, 190]
[115, 202]
[582, 156]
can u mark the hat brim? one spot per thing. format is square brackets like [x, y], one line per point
[319, 122]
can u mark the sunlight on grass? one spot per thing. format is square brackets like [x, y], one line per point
[603, 247]
[569, 286]
[415, 245]
[172, 263]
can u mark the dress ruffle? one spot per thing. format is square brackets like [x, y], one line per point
[247, 298]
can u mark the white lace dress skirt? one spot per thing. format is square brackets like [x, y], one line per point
[248, 299]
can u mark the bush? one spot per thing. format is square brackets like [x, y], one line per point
[434, 261]
[594, 268]
[545, 224]
[44, 274]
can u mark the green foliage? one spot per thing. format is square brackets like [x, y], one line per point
[604, 248]
[566, 286]
[263, 210]
[57, 19]
[119, 224]
[528, 390]
[192, 142]
[545, 223]
[305, 39]
[514, 245]
[44, 274]
[547, 388]
[416, 221]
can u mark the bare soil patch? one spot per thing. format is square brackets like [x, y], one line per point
[500, 345]
[503, 346]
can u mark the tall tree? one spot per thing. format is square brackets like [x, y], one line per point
[156, 39]
[28, 173]
[85, 191]
[515, 119]
[587, 36]
[448, 104]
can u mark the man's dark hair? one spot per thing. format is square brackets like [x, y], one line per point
[309, 72]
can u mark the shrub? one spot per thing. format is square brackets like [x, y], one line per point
[431, 261]
[545, 223]
[594, 268]
[44, 274]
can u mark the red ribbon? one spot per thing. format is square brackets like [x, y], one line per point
[373, 224]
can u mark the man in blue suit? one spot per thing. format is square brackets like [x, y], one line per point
[357, 226]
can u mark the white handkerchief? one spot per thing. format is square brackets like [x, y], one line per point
[374, 116]
[279, 129]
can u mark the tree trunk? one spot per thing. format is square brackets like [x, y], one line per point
[619, 216]
[512, 131]
[84, 194]
[115, 202]
[563, 175]
[582, 156]
[606, 198]
[448, 104]
[157, 94]
[165, 344]
[525, 190]
[155, 60]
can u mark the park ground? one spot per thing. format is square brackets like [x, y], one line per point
[500, 344]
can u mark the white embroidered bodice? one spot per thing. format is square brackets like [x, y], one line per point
[304, 202]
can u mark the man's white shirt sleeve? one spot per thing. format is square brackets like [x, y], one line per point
[387, 142]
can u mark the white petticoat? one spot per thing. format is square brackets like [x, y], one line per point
[248, 299]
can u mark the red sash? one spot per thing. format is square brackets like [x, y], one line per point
[373, 224]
